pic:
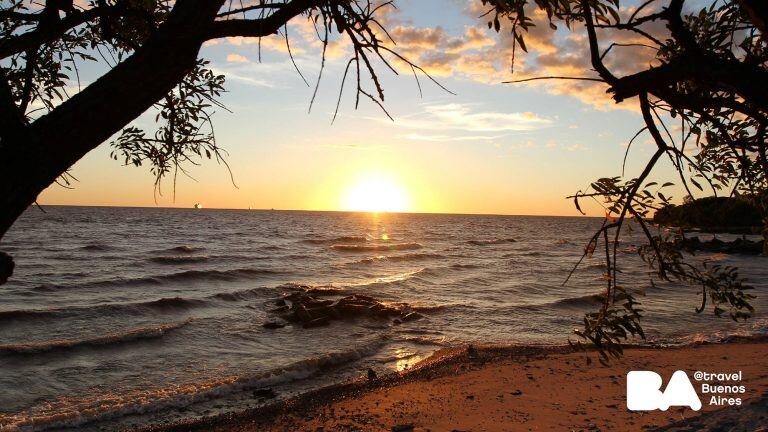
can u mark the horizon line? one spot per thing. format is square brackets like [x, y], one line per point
[302, 210]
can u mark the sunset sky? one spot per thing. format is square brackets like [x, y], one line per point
[491, 148]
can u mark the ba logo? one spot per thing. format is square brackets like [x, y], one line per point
[644, 392]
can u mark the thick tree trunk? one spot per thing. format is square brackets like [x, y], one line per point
[17, 191]
[53, 143]
[34, 157]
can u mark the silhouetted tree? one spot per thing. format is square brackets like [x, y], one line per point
[718, 213]
[708, 76]
[151, 48]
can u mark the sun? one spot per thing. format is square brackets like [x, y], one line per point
[376, 193]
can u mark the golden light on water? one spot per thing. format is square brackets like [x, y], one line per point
[405, 359]
[376, 192]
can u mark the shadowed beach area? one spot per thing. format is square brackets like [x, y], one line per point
[518, 388]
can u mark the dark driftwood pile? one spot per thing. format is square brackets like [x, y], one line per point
[308, 308]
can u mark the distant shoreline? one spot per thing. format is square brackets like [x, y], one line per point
[506, 388]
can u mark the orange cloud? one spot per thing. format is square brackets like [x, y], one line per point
[236, 58]
[483, 55]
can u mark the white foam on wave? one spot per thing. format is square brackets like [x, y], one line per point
[106, 339]
[753, 328]
[79, 410]
[395, 278]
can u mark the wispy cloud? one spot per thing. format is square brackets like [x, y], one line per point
[236, 58]
[461, 117]
[243, 78]
[449, 138]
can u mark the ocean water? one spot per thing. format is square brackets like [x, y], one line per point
[121, 317]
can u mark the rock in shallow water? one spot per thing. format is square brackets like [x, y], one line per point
[305, 307]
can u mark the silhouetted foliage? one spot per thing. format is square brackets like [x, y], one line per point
[719, 213]
[707, 79]
[149, 49]
[185, 128]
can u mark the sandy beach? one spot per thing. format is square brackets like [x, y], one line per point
[511, 389]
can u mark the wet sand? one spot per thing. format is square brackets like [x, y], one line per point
[518, 389]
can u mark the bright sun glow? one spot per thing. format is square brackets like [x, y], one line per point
[376, 193]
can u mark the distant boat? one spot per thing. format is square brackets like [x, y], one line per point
[198, 206]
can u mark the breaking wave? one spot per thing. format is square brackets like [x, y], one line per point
[392, 279]
[149, 332]
[240, 295]
[340, 239]
[78, 411]
[425, 340]
[401, 258]
[189, 275]
[431, 308]
[100, 309]
[313, 289]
